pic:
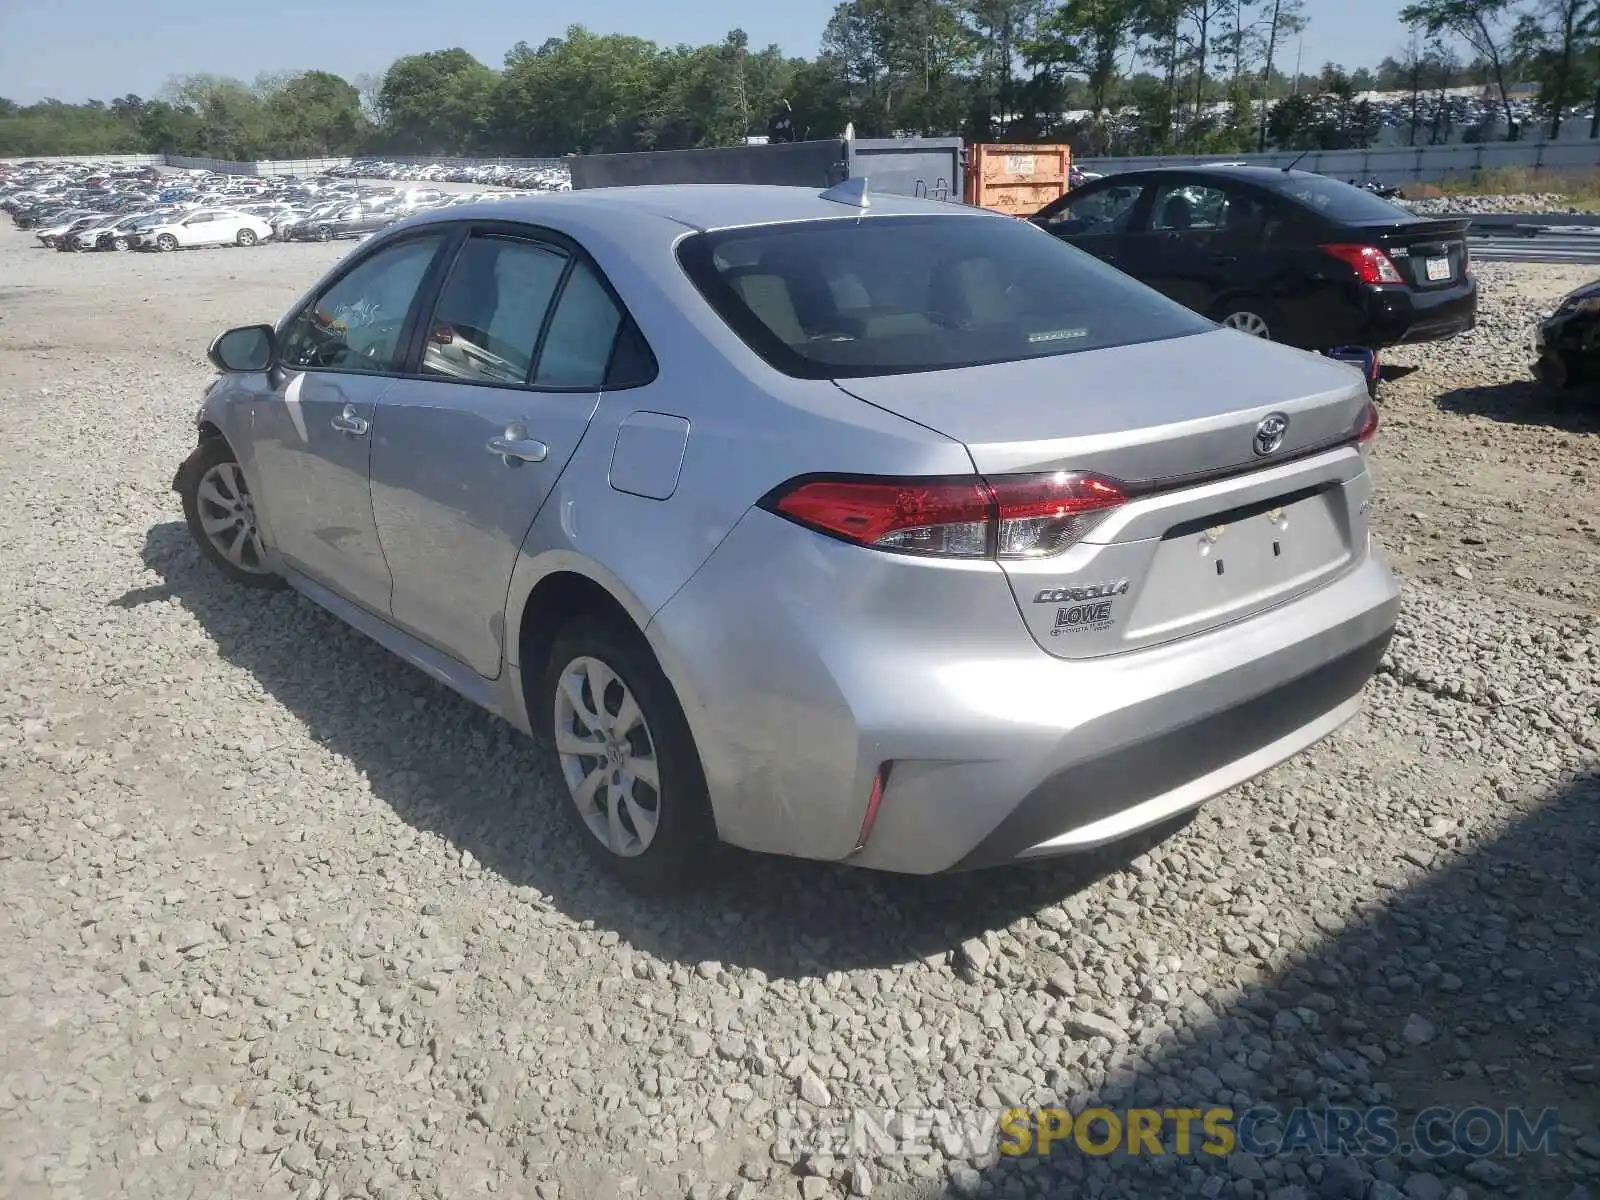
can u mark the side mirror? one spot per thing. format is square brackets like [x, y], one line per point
[247, 348]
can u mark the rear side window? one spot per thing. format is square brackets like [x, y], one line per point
[844, 298]
[582, 332]
[486, 325]
[1339, 201]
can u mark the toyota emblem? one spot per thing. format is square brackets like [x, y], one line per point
[1270, 432]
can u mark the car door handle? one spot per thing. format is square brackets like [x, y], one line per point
[1223, 260]
[514, 446]
[348, 422]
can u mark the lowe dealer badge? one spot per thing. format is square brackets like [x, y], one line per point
[1270, 433]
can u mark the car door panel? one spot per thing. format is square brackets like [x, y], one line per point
[1176, 253]
[452, 513]
[312, 432]
[314, 481]
[465, 453]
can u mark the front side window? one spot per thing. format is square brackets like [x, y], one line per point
[1103, 210]
[865, 296]
[486, 325]
[356, 325]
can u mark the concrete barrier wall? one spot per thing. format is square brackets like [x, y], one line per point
[299, 166]
[1420, 164]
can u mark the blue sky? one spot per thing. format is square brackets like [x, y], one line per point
[76, 49]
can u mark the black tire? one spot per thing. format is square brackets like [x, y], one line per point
[1249, 314]
[210, 454]
[1553, 371]
[166, 242]
[247, 237]
[119, 243]
[324, 233]
[684, 849]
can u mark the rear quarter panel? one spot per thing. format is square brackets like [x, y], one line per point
[750, 428]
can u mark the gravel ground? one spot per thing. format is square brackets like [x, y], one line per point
[1525, 202]
[278, 915]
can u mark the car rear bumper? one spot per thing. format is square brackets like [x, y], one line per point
[1394, 315]
[805, 665]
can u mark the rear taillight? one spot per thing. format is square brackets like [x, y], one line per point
[1371, 264]
[1011, 516]
[1369, 425]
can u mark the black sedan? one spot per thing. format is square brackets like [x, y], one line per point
[1287, 255]
[1566, 345]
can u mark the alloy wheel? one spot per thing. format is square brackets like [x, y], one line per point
[1247, 322]
[228, 516]
[608, 757]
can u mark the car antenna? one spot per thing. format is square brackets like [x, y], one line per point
[1296, 161]
[851, 191]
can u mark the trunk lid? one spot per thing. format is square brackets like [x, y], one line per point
[1414, 245]
[1151, 412]
[1214, 531]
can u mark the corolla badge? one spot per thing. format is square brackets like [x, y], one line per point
[1270, 433]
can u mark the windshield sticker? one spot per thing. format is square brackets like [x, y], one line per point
[1057, 335]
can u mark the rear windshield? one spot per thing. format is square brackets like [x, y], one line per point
[1339, 201]
[852, 297]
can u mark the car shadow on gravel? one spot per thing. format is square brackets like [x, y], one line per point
[1524, 402]
[445, 766]
[1473, 984]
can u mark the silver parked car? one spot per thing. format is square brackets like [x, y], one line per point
[879, 530]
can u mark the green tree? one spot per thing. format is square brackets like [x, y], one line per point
[316, 113]
[1088, 38]
[1478, 23]
[587, 93]
[437, 103]
[230, 120]
[1554, 45]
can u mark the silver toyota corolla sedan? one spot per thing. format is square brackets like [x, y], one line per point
[867, 529]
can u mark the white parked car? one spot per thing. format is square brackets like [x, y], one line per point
[206, 227]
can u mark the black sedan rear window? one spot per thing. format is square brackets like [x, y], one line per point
[1339, 201]
[854, 297]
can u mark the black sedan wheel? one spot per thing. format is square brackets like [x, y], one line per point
[1247, 317]
[1552, 371]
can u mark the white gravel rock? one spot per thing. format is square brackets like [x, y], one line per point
[1530, 202]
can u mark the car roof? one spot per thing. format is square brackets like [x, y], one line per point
[697, 206]
[1262, 176]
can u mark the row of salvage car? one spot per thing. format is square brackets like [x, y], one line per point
[75, 208]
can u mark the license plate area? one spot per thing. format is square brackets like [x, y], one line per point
[1437, 269]
[1208, 571]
